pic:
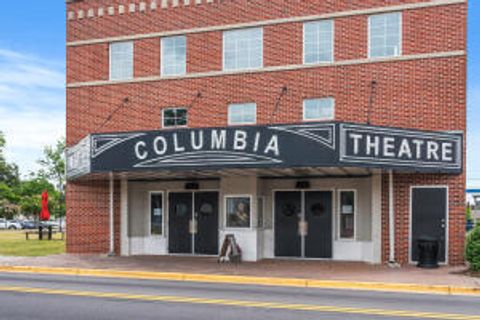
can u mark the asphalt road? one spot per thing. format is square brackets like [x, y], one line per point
[28, 296]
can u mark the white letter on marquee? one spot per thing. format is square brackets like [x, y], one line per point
[219, 140]
[356, 138]
[418, 144]
[240, 141]
[273, 146]
[196, 146]
[158, 150]
[140, 156]
[375, 145]
[432, 150]
[447, 151]
[405, 149]
[388, 147]
[175, 144]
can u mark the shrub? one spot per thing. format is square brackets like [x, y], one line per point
[472, 250]
[468, 214]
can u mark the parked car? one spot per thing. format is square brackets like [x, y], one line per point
[3, 223]
[29, 224]
[14, 225]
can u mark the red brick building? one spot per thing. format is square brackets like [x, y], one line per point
[306, 128]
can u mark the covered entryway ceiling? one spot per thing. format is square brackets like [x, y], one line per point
[267, 173]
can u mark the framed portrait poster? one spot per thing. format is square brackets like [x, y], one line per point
[238, 211]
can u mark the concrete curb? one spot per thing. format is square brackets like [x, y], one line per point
[249, 280]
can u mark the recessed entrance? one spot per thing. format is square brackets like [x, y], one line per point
[193, 223]
[303, 224]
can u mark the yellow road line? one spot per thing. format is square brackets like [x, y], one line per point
[249, 280]
[242, 303]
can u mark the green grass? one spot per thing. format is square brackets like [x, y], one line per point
[13, 243]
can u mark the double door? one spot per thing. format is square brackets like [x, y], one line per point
[303, 224]
[193, 223]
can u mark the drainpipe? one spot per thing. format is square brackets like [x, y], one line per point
[112, 244]
[391, 219]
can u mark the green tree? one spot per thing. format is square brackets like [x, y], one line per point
[8, 172]
[53, 169]
[30, 194]
[9, 180]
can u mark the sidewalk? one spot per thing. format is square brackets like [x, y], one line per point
[291, 269]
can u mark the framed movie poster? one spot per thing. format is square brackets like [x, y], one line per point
[238, 211]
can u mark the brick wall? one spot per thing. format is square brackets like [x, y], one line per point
[427, 93]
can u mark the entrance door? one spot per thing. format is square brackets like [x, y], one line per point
[206, 215]
[288, 213]
[429, 213]
[193, 222]
[318, 216]
[179, 219]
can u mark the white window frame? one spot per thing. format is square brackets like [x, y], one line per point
[400, 38]
[228, 196]
[110, 61]
[162, 59]
[230, 123]
[223, 50]
[339, 214]
[175, 126]
[318, 119]
[332, 44]
[150, 193]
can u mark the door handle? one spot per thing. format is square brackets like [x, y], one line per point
[193, 226]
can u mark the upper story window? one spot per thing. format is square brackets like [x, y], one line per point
[175, 117]
[318, 109]
[318, 41]
[242, 113]
[121, 60]
[243, 49]
[385, 35]
[174, 56]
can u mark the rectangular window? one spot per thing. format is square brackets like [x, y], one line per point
[175, 117]
[156, 213]
[318, 41]
[242, 113]
[243, 49]
[347, 207]
[318, 109]
[121, 60]
[385, 35]
[237, 209]
[174, 56]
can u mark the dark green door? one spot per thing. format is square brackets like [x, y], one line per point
[318, 216]
[429, 214]
[288, 212]
[179, 217]
[206, 215]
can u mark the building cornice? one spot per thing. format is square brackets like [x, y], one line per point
[153, 5]
[293, 67]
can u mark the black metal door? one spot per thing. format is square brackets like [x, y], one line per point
[429, 213]
[206, 215]
[179, 217]
[318, 216]
[288, 212]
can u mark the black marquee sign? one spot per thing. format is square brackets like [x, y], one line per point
[280, 146]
